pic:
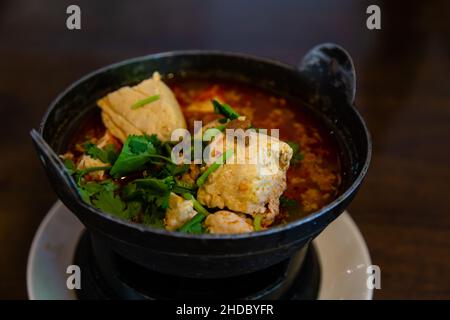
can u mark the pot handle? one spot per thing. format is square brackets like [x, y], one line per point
[54, 168]
[330, 67]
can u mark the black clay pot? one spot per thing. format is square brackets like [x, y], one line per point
[324, 80]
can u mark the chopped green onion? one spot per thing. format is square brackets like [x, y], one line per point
[213, 167]
[257, 222]
[198, 218]
[183, 187]
[197, 206]
[225, 110]
[145, 101]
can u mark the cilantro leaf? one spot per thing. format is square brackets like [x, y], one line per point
[135, 154]
[92, 188]
[88, 190]
[150, 190]
[108, 202]
[156, 190]
[171, 169]
[154, 217]
[156, 186]
[133, 209]
[105, 155]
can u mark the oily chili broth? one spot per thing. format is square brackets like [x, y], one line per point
[312, 183]
[315, 181]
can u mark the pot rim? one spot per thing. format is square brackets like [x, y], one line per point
[268, 232]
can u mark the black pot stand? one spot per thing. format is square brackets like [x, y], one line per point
[106, 275]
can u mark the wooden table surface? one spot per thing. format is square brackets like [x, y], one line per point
[403, 208]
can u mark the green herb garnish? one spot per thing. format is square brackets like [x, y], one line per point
[289, 204]
[88, 190]
[81, 173]
[213, 167]
[143, 102]
[107, 201]
[195, 224]
[70, 166]
[150, 189]
[181, 187]
[257, 222]
[137, 151]
[197, 205]
[225, 110]
[297, 155]
[154, 216]
[154, 194]
[106, 155]
[102, 195]
[146, 198]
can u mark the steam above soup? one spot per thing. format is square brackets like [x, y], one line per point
[126, 161]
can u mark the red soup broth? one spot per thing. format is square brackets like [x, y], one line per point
[312, 182]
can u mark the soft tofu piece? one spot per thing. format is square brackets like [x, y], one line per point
[87, 161]
[179, 212]
[224, 221]
[160, 117]
[252, 187]
[106, 139]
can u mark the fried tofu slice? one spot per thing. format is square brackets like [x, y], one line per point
[252, 186]
[159, 117]
[86, 162]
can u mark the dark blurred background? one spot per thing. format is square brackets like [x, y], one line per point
[403, 209]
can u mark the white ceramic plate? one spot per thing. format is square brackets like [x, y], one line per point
[341, 249]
